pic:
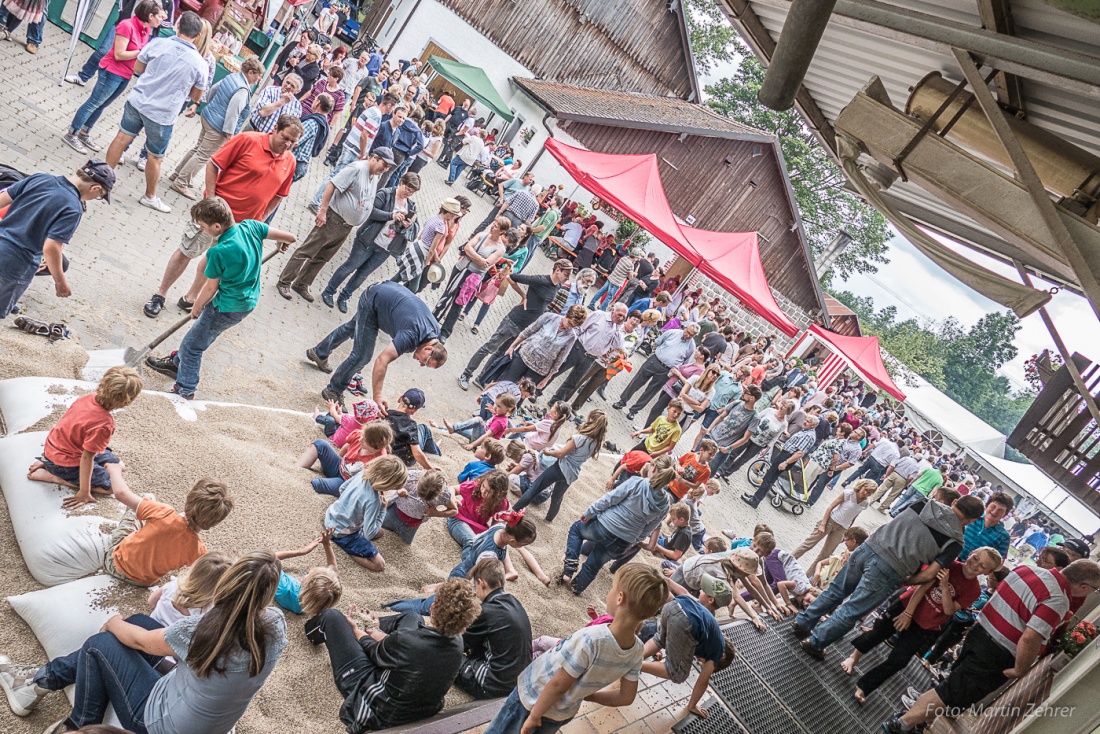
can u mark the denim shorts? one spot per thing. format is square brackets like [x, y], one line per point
[356, 545]
[157, 136]
[71, 474]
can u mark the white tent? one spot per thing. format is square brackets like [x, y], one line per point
[928, 408]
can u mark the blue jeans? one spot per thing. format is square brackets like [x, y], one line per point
[510, 718]
[870, 469]
[11, 290]
[392, 521]
[908, 497]
[426, 440]
[106, 672]
[347, 157]
[364, 259]
[107, 89]
[605, 546]
[330, 460]
[91, 66]
[607, 289]
[471, 430]
[865, 582]
[34, 30]
[363, 330]
[208, 327]
[462, 533]
[417, 606]
[457, 167]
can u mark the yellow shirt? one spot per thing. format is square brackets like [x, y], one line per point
[665, 434]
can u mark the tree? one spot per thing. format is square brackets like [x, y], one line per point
[826, 207]
[712, 37]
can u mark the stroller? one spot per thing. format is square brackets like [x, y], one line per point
[791, 488]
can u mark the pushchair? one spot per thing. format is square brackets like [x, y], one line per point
[791, 488]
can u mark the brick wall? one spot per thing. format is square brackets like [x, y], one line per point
[746, 320]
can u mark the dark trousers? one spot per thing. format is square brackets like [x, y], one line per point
[364, 259]
[950, 635]
[321, 244]
[494, 345]
[363, 331]
[605, 546]
[518, 369]
[870, 469]
[724, 465]
[646, 383]
[594, 378]
[819, 485]
[913, 641]
[770, 476]
[554, 476]
[348, 655]
[572, 370]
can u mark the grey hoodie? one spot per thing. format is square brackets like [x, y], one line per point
[632, 510]
[907, 542]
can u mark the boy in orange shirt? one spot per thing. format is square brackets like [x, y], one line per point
[152, 539]
[77, 447]
[694, 470]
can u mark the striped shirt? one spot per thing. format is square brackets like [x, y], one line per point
[802, 441]
[1029, 598]
[270, 96]
[592, 656]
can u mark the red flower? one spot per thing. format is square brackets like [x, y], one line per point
[1078, 638]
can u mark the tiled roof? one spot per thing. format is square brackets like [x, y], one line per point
[630, 109]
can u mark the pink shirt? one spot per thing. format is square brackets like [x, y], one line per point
[137, 35]
[348, 423]
[497, 425]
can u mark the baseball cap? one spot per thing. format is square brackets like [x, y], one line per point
[716, 588]
[102, 174]
[1076, 545]
[385, 154]
[414, 398]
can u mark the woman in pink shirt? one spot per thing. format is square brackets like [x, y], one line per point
[115, 71]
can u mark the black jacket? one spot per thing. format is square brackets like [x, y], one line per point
[501, 639]
[384, 201]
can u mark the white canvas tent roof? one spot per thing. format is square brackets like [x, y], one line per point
[962, 427]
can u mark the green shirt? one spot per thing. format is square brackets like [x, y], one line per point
[548, 220]
[235, 259]
[928, 480]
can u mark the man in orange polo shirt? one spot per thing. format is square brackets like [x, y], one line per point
[252, 172]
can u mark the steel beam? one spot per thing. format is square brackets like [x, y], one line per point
[996, 16]
[1025, 171]
[1030, 59]
[802, 32]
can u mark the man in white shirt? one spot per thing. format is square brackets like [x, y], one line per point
[899, 475]
[884, 454]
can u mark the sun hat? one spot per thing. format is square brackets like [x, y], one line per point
[365, 410]
[435, 273]
[451, 205]
[717, 589]
[745, 560]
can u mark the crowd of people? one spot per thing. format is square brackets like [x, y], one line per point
[936, 574]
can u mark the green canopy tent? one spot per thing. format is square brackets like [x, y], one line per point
[473, 81]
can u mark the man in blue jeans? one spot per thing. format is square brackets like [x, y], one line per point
[928, 533]
[394, 310]
[9, 22]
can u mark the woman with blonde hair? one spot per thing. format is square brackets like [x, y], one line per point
[223, 658]
[583, 445]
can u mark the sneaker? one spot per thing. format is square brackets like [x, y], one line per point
[88, 142]
[140, 163]
[18, 684]
[342, 304]
[184, 305]
[75, 79]
[731, 534]
[164, 365]
[153, 202]
[313, 207]
[73, 142]
[473, 329]
[320, 362]
[462, 317]
[749, 500]
[477, 383]
[327, 395]
[894, 725]
[909, 698]
[153, 308]
[464, 382]
[177, 390]
[326, 298]
[59, 727]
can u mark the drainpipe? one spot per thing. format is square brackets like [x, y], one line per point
[408, 17]
[801, 34]
[549, 134]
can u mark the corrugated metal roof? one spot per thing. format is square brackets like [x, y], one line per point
[848, 57]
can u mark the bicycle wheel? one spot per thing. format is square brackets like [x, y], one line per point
[756, 472]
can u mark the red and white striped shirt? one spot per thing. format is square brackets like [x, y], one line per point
[1029, 598]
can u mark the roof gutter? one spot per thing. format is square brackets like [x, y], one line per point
[545, 119]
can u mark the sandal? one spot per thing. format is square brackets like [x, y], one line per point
[58, 332]
[32, 326]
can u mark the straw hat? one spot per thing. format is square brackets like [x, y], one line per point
[451, 205]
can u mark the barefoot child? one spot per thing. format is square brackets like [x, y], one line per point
[76, 449]
[338, 425]
[233, 268]
[477, 430]
[356, 516]
[318, 590]
[423, 496]
[550, 691]
[338, 465]
[583, 445]
[152, 539]
[192, 592]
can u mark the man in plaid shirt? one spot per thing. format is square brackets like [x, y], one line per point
[794, 449]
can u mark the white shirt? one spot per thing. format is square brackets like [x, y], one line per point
[886, 452]
[848, 510]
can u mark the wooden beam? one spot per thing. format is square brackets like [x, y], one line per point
[996, 16]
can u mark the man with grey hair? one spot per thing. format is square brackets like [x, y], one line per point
[793, 450]
[599, 334]
[518, 202]
[672, 349]
[276, 101]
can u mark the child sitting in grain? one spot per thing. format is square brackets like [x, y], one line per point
[476, 430]
[670, 547]
[487, 456]
[478, 501]
[355, 518]
[425, 495]
[338, 425]
[152, 539]
[406, 432]
[338, 465]
[319, 589]
[76, 451]
[694, 501]
[522, 390]
[192, 592]
[827, 569]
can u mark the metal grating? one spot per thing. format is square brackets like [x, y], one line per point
[718, 721]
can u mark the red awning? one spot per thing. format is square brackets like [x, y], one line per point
[862, 353]
[632, 184]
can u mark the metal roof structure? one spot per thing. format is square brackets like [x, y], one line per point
[1051, 54]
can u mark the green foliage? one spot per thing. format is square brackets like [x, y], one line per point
[817, 181]
[712, 36]
[629, 229]
[960, 362]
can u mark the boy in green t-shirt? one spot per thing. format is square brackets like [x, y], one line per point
[663, 433]
[232, 291]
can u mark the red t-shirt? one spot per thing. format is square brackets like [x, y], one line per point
[693, 471]
[250, 175]
[86, 426]
[446, 104]
[633, 461]
[929, 614]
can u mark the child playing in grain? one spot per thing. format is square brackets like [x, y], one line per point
[546, 643]
[476, 430]
[355, 518]
[828, 569]
[406, 433]
[232, 288]
[580, 668]
[487, 456]
[631, 465]
[584, 444]
[338, 425]
[537, 436]
[76, 449]
[192, 592]
[522, 390]
[694, 502]
[319, 589]
[478, 500]
[663, 432]
[693, 469]
[152, 539]
[425, 495]
[338, 465]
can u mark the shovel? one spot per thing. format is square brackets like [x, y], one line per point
[101, 360]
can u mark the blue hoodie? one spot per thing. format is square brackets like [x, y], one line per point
[632, 510]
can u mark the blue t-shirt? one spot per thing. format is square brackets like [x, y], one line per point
[402, 315]
[709, 643]
[286, 595]
[43, 207]
[475, 469]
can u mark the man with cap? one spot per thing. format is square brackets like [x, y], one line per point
[687, 631]
[44, 212]
[347, 202]
[1075, 548]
